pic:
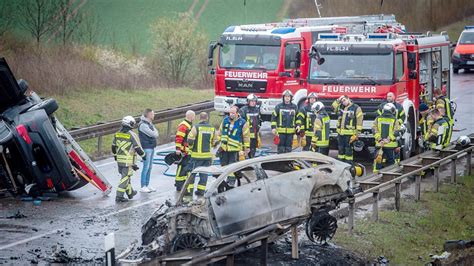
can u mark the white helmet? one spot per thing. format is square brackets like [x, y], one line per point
[252, 97]
[317, 106]
[464, 141]
[312, 95]
[128, 121]
[390, 107]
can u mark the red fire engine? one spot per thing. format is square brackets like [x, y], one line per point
[367, 67]
[266, 59]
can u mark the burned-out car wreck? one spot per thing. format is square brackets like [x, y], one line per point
[272, 193]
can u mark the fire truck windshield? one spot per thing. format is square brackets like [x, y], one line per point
[247, 56]
[353, 68]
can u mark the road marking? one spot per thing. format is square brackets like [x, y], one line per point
[134, 206]
[31, 238]
[105, 164]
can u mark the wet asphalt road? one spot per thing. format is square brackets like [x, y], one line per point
[78, 221]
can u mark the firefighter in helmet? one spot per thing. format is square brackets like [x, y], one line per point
[385, 129]
[320, 139]
[251, 113]
[349, 125]
[125, 146]
[399, 115]
[201, 139]
[284, 124]
[182, 149]
[306, 118]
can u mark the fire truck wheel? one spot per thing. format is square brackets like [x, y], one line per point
[408, 145]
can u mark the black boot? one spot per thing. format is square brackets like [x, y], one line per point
[121, 199]
[134, 192]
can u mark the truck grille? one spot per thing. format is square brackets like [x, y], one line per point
[244, 85]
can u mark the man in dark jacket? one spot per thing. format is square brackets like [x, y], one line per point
[251, 113]
[148, 134]
[284, 123]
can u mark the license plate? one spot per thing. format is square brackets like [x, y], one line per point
[470, 62]
[241, 101]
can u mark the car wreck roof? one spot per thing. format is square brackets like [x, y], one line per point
[306, 155]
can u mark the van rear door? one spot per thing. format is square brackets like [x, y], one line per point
[9, 90]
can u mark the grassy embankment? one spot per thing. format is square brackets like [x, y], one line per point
[89, 107]
[408, 237]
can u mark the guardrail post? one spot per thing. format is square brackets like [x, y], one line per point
[351, 215]
[375, 206]
[294, 242]
[264, 250]
[468, 162]
[168, 130]
[418, 187]
[99, 146]
[453, 170]
[436, 179]
[398, 188]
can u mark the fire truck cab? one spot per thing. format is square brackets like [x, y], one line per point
[366, 67]
[266, 59]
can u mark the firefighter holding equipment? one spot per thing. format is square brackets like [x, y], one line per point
[444, 105]
[284, 122]
[349, 125]
[305, 118]
[320, 139]
[399, 115]
[251, 113]
[234, 136]
[201, 139]
[182, 149]
[438, 131]
[125, 146]
[424, 123]
[385, 129]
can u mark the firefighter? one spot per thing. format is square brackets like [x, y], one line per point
[306, 118]
[385, 128]
[234, 136]
[284, 122]
[399, 115]
[201, 139]
[251, 113]
[320, 139]
[349, 125]
[181, 143]
[444, 105]
[424, 124]
[438, 132]
[124, 147]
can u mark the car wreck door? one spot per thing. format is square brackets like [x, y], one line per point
[9, 90]
[243, 208]
[289, 185]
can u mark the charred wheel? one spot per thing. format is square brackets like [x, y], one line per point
[187, 241]
[321, 227]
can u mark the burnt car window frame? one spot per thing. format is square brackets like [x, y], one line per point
[268, 176]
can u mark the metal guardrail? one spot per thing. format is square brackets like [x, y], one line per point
[395, 175]
[161, 116]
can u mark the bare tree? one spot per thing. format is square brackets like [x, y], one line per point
[90, 29]
[176, 45]
[68, 19]
[38, 17]
[6, 16]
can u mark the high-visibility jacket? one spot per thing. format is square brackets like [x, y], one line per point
[384, 128]
[125, 146]
[305, 118]
[181, 139]
[444, 102]
[400, 115]
[349, 120]
[425, 124]
[234, 135]
[321, 130]
[201, 139]
[253, 118]
[284, 118]
[438, 133]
